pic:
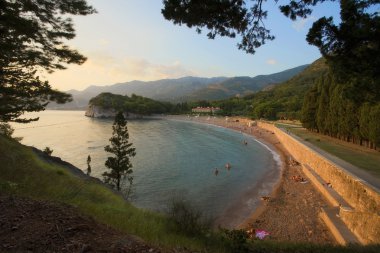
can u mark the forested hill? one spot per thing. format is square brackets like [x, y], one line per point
[286, 99]
[133, 104]
[241, 86]
[282, 100]
[182, 89]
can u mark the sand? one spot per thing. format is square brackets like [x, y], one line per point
[290, 212]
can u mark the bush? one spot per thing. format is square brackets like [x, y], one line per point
[7, 130]
[237, 240]
[48, 151]
[186, 218]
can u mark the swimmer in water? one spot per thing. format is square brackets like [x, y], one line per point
[216, 171]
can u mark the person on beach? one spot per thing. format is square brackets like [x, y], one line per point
[216, 172]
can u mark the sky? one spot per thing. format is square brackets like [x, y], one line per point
[131, 40]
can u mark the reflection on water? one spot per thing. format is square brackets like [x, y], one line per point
[173, 158]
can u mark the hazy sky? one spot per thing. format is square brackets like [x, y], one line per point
[130, 40]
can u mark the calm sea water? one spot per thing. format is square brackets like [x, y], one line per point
[174, 159]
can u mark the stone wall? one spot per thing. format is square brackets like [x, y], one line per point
[364, 221]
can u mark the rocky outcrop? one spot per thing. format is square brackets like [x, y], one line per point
[94, 111]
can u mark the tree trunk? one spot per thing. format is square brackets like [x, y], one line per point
[118, 183]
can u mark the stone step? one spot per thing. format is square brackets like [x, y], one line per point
[330, 215]
[339, 230]
[328, 192]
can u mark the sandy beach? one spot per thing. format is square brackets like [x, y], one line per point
[290, 211]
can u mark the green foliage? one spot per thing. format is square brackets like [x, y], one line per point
[23, 173]
[329, 109]
[6, 129]
[374, 124]
[134, 104]
[32, 35]
[88, 165]
[358, 31]
[352, 48]
[365, 159]
[241, 86]
[48, 151]
[224, 18]
[187, 219]
[282, 101]
[285, 100]
[119, 165]
[237, 240]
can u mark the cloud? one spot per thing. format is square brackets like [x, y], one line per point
[271, 61]
[300, 24]
[102, 69]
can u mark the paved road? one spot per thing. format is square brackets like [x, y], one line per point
[361, 174]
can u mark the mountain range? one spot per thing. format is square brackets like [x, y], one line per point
[183, 89]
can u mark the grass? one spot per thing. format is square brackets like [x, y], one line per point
[361, 157]
[23, 173]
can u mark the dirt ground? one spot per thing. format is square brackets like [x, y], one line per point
[39, 226]
[291, 212]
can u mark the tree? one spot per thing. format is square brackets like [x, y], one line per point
[88, 165]
[352, 48]
[47, 151]
[32, 35]
[352, 43]
[309, 109]
[119, 165]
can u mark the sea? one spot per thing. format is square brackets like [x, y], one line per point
[174, 160]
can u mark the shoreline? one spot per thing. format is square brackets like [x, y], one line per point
[289, 212]
[270, 181]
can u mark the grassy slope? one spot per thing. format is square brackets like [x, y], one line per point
[23, 173]
[368, 160]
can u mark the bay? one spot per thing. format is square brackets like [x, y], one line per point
[175, 159]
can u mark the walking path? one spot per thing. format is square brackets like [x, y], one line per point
[356, 172]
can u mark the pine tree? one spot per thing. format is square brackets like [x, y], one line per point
[32, 38]
[119, 165]
[309, 109]
[88, 165]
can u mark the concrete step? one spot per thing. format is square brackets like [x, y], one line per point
[330, 215]
[328, 192]
[339, 230]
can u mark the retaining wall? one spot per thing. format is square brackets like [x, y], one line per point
[364, 221]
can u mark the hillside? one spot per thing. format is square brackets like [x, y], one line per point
[133, 104]
[286, 99]
[241, 86]
[163, 90]
[38, 181]
[181, 89]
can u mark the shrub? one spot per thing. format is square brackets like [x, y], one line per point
[237, 240]
[186, 218]
[48, 151]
